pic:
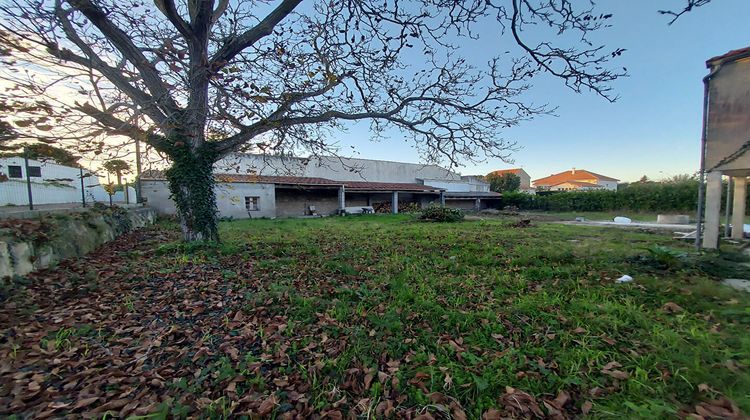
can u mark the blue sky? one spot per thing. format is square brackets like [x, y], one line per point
[653, 129]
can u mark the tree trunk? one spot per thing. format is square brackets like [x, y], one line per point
[192, 186]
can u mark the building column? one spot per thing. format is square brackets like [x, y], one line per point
[478, 204]
[342, 199]
[394, 203]
[713, 210]
[738, 207]
[442, 198]
[369, 200]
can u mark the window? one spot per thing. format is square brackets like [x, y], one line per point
[14, 171]
[251, 203]
[35, 171]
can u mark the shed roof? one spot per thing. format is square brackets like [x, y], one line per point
[156, 175]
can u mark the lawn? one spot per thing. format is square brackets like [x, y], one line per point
[379, 316]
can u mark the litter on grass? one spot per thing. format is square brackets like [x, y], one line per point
[624, 279]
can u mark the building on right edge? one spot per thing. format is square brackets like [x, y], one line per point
[725, 142]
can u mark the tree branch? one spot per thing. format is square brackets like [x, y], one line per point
[123, 43]
[236, 45]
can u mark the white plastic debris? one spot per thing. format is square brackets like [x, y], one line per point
[624, 279]
[623, 220]
[580, 219]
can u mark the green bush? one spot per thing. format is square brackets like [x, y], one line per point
[442, 214]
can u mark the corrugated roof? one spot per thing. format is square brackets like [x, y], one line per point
[730, 56]
[579, 175]
[155, 175]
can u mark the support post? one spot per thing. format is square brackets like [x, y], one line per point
[478, 204]
[28, 177]
[713, 210]
[738, 207]
[442, 198]
[728, 208]
[342, 199]
[394, 203]
[83, 190]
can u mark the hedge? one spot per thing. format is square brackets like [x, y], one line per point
[637, 197]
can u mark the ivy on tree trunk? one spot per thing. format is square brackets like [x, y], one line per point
[191, 185]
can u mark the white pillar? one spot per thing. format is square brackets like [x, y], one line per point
[394, 203]
[713, 210]
[442, 199]
[738, 207]
[342, 198]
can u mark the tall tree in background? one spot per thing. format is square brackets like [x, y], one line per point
[501, 183]
[205, 78]
[117, 167]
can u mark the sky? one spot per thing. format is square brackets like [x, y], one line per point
[653, 129]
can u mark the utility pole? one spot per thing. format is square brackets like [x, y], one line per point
[138, 199]
[28, 177]
[83, 191]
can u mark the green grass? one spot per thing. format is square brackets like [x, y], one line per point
[355, 312]
[402, 290]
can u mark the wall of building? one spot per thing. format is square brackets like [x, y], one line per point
[344, 169]
[294, 202]
[465, 185]
[230, 199]
[610, 185]
[525, 180]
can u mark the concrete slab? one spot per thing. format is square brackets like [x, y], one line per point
[739, 284]
[671, 227]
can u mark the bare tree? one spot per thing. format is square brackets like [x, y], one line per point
[689, 6]
[207, 78]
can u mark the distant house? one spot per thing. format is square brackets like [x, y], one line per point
[576, 180]
[525, 178]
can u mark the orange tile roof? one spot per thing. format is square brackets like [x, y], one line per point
[730, 56]
[579, 175]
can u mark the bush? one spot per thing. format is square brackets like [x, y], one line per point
[669, 196]
[442, 214]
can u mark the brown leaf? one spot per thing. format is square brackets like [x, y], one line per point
[492, 414]
[671, 308]
[586, 407]
[267, 406]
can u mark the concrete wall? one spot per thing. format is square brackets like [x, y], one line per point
[295, 202]
[230, 199]
[729, 118]
[58, 184]
[68, 238]
[465, 185]
[345, 169]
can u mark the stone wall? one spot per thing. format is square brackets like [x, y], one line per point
[65, 236]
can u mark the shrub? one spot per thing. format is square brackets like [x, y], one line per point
[442, 214]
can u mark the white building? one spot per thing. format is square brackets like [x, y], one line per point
[273, 186]
[51, 183]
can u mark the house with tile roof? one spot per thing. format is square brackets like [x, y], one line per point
[252, 186]
[576, 180]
